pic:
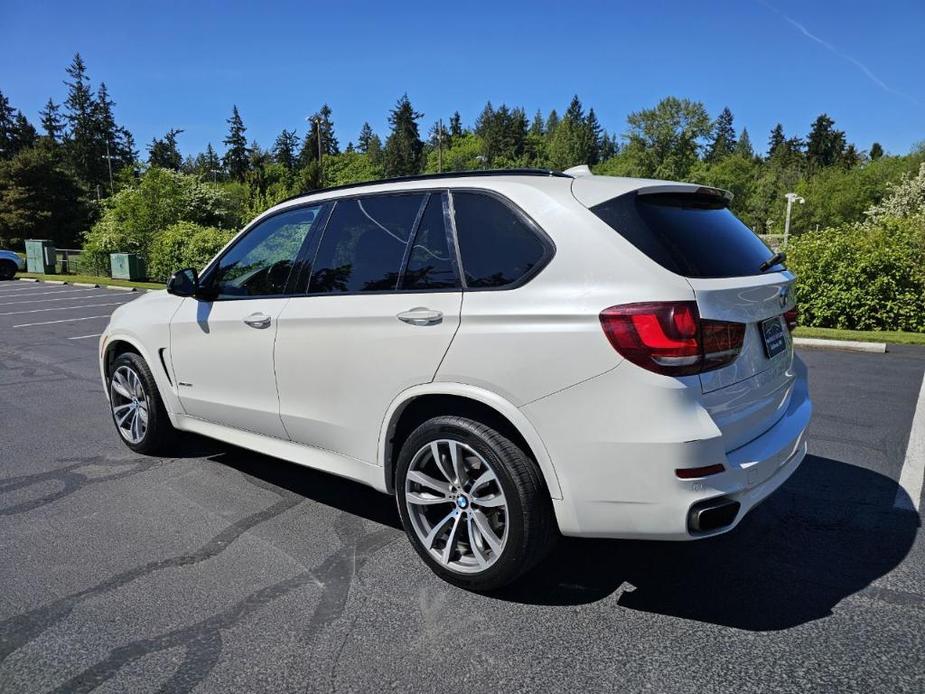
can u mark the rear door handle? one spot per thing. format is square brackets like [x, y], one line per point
[258, 320]
[421, 316]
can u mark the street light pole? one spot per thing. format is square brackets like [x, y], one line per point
[791, 198]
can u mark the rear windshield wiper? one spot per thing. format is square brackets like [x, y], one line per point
[778, 257]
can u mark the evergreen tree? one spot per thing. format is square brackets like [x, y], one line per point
[24, 135]
[329, 146]
[7, 129]
[82, 136]
[609, 147]
[537, 127]
[850, 157]
[776, 140]
[236, 159]
[116, 141]
[743, 147]
[365, 138]
[403, 148]
[724, 137]
[876, 151]
[164, 153]
[552, 122]
[52, 123]
[594, 138]
[456, 129]
[575, 112]
[284, 149]
[825, 145]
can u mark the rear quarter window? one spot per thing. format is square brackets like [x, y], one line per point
[693, 235]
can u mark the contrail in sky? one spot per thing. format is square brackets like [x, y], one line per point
[844, 56]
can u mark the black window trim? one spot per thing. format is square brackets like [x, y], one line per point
[300, 277]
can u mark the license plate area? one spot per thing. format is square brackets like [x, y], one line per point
[772, 335]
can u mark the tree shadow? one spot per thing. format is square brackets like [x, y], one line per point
[828, 533]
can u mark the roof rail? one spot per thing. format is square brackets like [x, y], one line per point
[430, 176]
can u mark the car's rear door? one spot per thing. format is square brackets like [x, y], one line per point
[382, 307]
[221, 349]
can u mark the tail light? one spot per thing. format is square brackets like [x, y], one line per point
[671, 338]
[790, 318]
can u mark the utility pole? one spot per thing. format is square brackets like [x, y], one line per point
[108, 159]
[440, 145]
[316, 121]
[791, 198]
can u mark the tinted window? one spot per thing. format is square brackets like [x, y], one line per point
[429, 266]
[691, 235]
[496, 244]
[364, 244]
[259, 264]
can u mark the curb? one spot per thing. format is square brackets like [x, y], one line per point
[55, 282]
[86, 284]
[122, 289]
[27, 279]
[847, 345]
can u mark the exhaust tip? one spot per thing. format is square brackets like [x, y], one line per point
[712, 514]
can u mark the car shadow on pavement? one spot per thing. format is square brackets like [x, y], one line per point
[828, 533]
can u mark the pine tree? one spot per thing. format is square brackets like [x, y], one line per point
[52, 123]
[825, 145]
[552, 122]
[575, 112]
[403, 148]
[284, 149]
[365, 138]
[329, 147]
[776, 140]
[7, 128]
[850, 157]
[82, 136]
[876, 151]
[164, 153]
[456, 129]
[24, 135]
[724, 137]
[743, 147]
[115, 142]
[594, 138]
[236, 159]
[537, 127]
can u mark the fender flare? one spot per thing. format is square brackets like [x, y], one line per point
[514, 415]
[167, 391]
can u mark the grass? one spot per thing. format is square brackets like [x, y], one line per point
[102, 281]
[893, 336]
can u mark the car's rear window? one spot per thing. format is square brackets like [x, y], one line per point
[693, 235]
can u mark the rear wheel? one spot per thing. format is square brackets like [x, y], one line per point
[473, 503]
[137, 409]
[7, 269]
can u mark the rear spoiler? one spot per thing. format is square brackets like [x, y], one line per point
[593, 190]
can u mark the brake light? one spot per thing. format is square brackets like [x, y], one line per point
[671, 338]
[790, 318]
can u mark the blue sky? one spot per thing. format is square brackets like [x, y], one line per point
[183, 64]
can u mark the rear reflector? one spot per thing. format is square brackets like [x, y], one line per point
[692, 473]
[670, 337]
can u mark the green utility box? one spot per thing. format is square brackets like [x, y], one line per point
[40, 256]
[126, 266]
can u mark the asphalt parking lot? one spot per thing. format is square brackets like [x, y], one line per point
[224, 570]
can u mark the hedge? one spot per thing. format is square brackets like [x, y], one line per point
[183, 245]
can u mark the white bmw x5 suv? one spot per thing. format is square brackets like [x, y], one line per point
[513, 355]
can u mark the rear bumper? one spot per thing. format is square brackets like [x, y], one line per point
[626, 487]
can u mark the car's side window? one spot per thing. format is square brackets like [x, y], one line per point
[430, 265]
[497, 246]
[364, 244]
[260, 263]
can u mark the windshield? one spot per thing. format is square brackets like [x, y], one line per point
[693, 235]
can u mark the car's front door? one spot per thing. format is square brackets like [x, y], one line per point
[221, 347]
[382, 307]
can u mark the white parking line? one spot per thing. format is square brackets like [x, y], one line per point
[64, 320]
[66, 298]
[85, 337]
[10, 295]
[909, 494]
[62, 308]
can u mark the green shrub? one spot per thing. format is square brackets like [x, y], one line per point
[862, 277]
[183, 245]
[136, 215]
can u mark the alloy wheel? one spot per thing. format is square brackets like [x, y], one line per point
[457, 506]
[129, 404]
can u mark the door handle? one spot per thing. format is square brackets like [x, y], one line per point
[258, 320]
[421, 316]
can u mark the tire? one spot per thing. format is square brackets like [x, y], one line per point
[7, 270]
[134, 398]
[513, 504]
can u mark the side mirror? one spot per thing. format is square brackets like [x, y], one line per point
[183, 283]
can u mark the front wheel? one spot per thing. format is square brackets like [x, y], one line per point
[473, 503]
[137, 409]
[7, 269]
